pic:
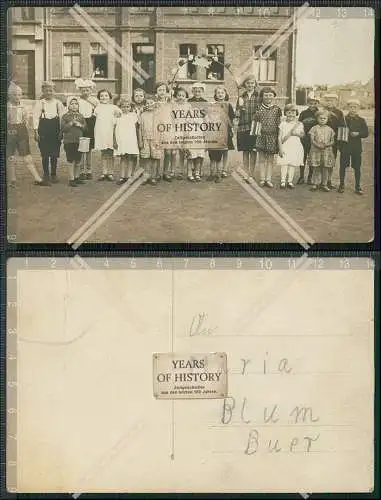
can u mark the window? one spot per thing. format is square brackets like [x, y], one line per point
[141, 10]
[188, 70]
[264, 68]
[216, 69]
[99, 60]
[27, 13]
[71, 60]
[144, 57]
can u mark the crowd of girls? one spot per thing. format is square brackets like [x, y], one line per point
[265, 134]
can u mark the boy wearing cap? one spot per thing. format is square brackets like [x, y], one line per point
[335, 120]
[87, 104]
[351, 153]
[18, 136]
[47, 116]
[308, 118]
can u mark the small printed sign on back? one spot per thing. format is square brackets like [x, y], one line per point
[190, 376]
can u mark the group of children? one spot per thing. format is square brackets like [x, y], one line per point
[127, 131]
[313, 139]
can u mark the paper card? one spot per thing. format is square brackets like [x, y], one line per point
[298, 416]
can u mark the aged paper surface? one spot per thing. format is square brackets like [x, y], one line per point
[299, 415]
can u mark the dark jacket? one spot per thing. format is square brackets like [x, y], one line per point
[356, 124]
[71, 133]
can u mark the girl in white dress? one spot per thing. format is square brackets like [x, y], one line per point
[290, 147]
[106, 114]
[127, 141]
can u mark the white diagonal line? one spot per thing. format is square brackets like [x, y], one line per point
[108, 205]
[273, 41]
[82, 15]
[261, 192]
[110, 454]
[284, 220]
[286, 28]
[131, 189]
[95, 30]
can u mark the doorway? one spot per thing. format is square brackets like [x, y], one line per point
[23, 72]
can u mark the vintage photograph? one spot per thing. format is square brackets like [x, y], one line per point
[190, 124]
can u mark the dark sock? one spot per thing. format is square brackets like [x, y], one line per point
[357, 178]
[53, 164]
[302, 170]
[45, 166]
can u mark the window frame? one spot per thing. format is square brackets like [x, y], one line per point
[103, 54]
[71, 55]
[222, 65]
[188, 77]
[272, 57]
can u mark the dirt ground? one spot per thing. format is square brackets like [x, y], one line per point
[187, 212]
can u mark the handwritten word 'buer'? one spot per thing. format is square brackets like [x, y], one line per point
[256, 443]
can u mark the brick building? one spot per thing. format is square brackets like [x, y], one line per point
[52, 43]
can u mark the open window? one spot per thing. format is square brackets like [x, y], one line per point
[216, 69]
[99, 60]
[187, 53]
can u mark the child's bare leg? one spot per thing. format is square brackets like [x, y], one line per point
[77, 170]
[129, 166]
[156, 168]
[225, 158]
[12, 170]
[269, 168]
[181, 166]
[252, 162]
[212, 168]
[325, 176]
[167, 162]
[191, 168]
[198, 166]
[88, 158]
[262, 168]
[291, 173]
[71, 172]
[31, 167]
[246, 161]
[123, 162]
[316, 177]
[218, 170]
[110, 165]
[104, 164]
[283, 175]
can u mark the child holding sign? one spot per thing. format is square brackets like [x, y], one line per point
[219, 157]
[196, 156]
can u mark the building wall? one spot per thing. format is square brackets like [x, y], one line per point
[28, 36]
[166, 28]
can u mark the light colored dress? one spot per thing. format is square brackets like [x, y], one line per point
[125, 134]
[292, 147]
[322, 157]
[106, 115]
